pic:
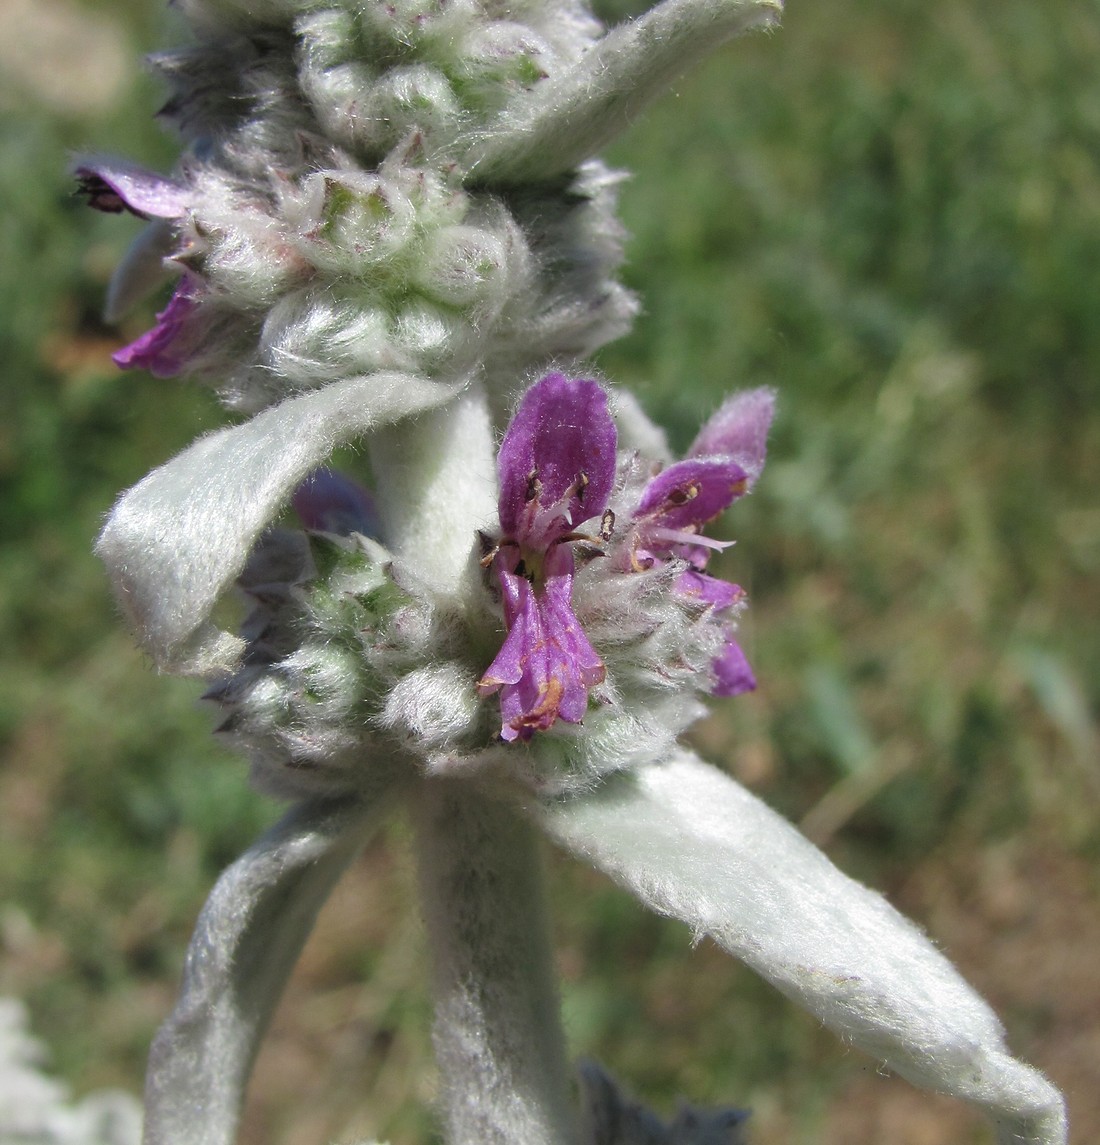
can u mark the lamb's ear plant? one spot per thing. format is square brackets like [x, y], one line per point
[388, 228]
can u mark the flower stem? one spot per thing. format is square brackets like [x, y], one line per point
[436, 478]
[498, 1035]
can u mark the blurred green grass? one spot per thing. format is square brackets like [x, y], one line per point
[889, 211]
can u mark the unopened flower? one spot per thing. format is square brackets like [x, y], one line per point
[329, 502]
[114, 185]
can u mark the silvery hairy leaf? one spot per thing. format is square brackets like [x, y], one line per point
[246, 942]
[569, 117]
[691, 843]
[175, 541]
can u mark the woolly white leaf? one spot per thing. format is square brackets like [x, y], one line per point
[246, 942]
[569, 117]
[693, 844]
[177, 539]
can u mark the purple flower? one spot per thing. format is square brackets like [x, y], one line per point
[722, 465]
[166, 348]
[115, 186]
[556, 468]
[329, 502]
[677, 503]
[739, 430]
[732, 673]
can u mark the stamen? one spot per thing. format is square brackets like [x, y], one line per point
[683, 494]
[681, 537]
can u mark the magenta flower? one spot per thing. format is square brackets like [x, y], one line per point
[722, 465]
[114, 185]
[556, 468]
[165, 349]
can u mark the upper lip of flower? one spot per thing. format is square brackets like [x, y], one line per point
[556, 462]
[676, 504]
[116, 185]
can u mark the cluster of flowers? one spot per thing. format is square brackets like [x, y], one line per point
[346, 645]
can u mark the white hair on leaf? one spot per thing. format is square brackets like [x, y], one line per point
[692, 844]
[176, 540]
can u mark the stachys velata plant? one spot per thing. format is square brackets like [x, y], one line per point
[388, 227]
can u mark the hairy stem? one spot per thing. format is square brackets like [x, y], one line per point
[498, 1035]
[436, 479]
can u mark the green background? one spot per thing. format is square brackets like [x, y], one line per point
[890, 212]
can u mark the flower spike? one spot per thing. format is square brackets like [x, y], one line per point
[387, 215]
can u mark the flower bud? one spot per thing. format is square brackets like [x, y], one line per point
[432, 705]
[416, 24]
[360, 220]
[431, 338]
[313, 336]
[498, 59]
[463, 266]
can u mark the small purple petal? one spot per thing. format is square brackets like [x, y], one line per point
[731, 670]
[567, 633]
[164, 349]
[546, 665]
[732, 673]
[509, 664]
[739, 430]
[115, 186]
[329, 502]
[690, 493]
[710, 590]
[557, 461]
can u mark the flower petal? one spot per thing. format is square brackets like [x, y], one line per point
[691, 843]
[116, 185]
[708, 589]
[732, 671]
[246, 942]
[178, 538]
[164, 349]
[561, 431]
[546, 665]
[690, 493]
[739, 430]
